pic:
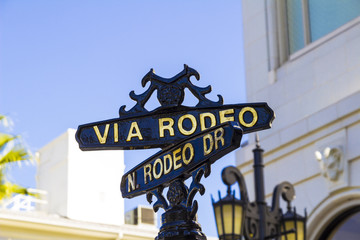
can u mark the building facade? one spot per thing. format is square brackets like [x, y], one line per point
[303, 58]
[81, 185]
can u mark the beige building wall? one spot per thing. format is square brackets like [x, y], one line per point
[315, 93]
[39, 226]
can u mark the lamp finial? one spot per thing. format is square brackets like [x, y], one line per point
[257, 141]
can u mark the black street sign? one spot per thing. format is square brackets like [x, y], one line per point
[191, 138]
[181, 160]
[163, 127]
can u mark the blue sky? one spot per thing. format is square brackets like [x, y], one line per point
[66, 63]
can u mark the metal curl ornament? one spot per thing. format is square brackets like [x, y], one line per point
[170, 92]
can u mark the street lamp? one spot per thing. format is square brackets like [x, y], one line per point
[229, 217]
[229, 212]
[292, 221]
[240, 218]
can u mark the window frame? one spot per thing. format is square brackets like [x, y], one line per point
[277, 35]
[338, 221]
[312, 45]
[309, 45]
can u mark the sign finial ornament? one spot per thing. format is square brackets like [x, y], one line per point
[170, 92]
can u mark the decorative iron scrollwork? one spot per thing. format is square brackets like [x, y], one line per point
[170, 92]
[179, 195]
[179, 219]
[231, 175]
[286, 191]
[195, 187]
[161, 202]
[251, 227]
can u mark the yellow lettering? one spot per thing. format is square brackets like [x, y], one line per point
[219, 137]
[166, 168]
[147, 173]
[168, 127]
[157, 162]
[131, 182]
[177, 158]
[116, 132]
[202, 120]
[193, 124]
[137, 133]
[207, 149]
[241, 116]
[191, 149]
[224, 118]
[102, 139]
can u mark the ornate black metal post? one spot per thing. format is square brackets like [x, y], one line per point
[179, 219]
[259, 188]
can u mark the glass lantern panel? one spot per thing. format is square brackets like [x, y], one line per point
[228, 218]
[300, 230]
[291, 236]
[238, 219]
[218, 219]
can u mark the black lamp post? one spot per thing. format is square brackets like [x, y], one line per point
[242, 219]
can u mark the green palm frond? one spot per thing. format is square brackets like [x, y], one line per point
[2, 176]
[12, 149]
[5, 138]
[14, 155]
[7, 189]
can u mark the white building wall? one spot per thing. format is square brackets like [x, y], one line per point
[82, 185]
[52, 176]
[316, 98]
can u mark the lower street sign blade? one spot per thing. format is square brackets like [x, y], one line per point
[182, 159]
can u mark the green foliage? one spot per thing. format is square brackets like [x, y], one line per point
[5, 138]
[12, 150]
[7, 189]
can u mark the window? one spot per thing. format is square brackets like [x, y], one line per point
[309, 20]
[294, 13]
[345, 226]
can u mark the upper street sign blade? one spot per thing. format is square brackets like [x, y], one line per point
[167, 126]
[181, 160]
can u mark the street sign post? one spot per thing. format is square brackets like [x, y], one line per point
[191, 139]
